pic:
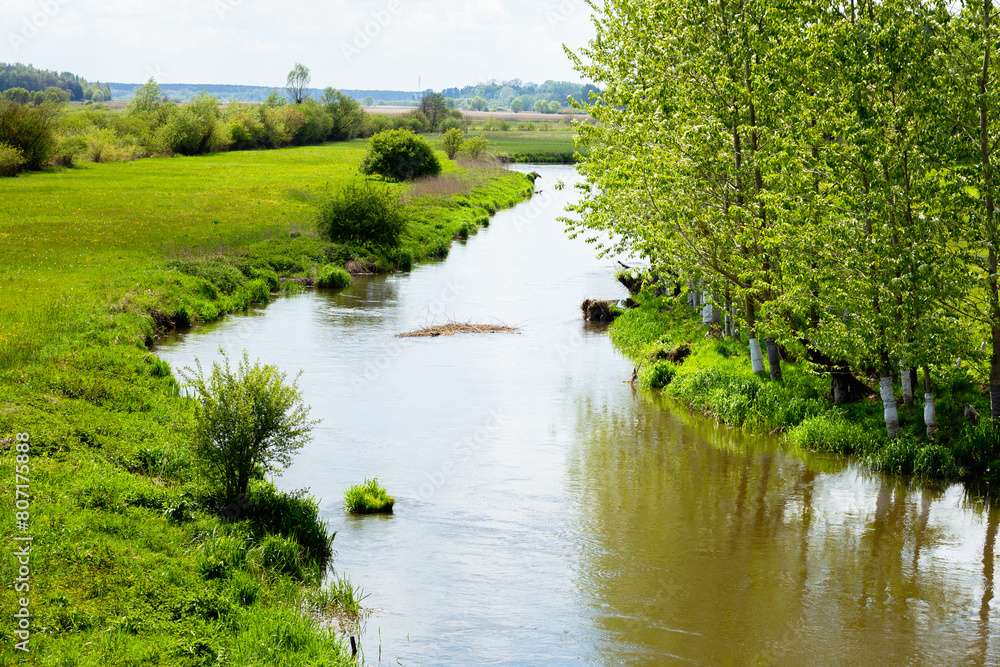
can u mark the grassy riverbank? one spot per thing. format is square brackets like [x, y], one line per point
[713, 376]
[130, 562]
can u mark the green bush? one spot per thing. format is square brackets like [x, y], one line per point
[189, 130]
[475, 147]
[293, 515]
[11, 160]
[368, 498]
[660, 374]
[400, 155]
[28, 129]
[452, 141]
[362, 212]
[280, 554]
[333, 277]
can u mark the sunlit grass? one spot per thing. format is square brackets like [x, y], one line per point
[368, 498]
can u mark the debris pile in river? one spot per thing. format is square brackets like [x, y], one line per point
[453, 328]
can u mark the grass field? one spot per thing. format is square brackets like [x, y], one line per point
[552, 144]
[130, 565]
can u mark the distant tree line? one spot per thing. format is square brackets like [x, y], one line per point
[39, 129]
[32, 80]
[517, 96]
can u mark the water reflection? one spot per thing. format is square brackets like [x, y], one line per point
[735, 553]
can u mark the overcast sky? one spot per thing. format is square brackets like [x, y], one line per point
[369, 44]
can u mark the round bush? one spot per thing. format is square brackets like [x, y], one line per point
[333, 277]
[362, 212]
[400, 155]
[29, 129]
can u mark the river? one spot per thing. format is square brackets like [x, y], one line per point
[548, 514]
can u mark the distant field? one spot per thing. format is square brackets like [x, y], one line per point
[542, 146]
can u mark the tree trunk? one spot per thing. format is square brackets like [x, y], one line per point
[930, 409]
[889, 406]
[986, 157]
[756, 358]
[906, 381]
[774, 359]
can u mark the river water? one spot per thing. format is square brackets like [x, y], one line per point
[547, 514]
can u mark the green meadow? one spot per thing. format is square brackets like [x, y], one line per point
[131, 563]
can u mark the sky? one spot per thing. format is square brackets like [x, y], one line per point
[351, 44]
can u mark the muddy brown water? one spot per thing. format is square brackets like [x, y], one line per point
[547, 514]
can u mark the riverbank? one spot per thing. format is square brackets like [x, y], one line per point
[129, 562]
[678, 355]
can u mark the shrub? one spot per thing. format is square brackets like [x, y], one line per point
[333, 277]
[400, 155]
[11, 160]
[362, 212]
[188, 131]
[248, 420]
[660, 375]
[280, 554]
[294, 515]
[28, 129]
[452, 141]
[368, 498]
[316, 124]
[346, 116]
[475, 147]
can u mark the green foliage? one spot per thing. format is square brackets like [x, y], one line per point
[11, 160]
[279, 554]
[660, 375]
[452, 141]
[829, 433]
[332, 276]
[293, 515]
[475, 147]
[362, 212]
[248, 419]
[346, 115]
[368, 498]
[28, 129]
[400, 155]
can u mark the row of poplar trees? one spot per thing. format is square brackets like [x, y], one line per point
[822, 170]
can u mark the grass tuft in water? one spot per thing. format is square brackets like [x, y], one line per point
[368, 498]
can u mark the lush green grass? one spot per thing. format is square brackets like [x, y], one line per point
[131, 564]
[716, 379]
[368, 498]
[537, 146]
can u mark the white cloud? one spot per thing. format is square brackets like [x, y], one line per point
[346, 43]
